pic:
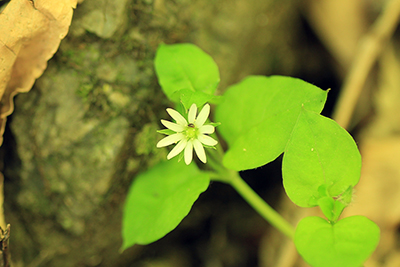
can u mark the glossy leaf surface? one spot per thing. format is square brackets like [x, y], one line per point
[258, 114]
[186, 74]
[348, 243]
[319, 153]
[159, 199]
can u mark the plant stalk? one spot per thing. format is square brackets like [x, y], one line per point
[268, 213]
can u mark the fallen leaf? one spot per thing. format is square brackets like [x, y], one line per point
[30, 34]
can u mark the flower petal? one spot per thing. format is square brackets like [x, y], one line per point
[169, 140]
[177, 117]
[177, 149]
[173, 126]
[189, 152]
[198, 147]
[205, 139]
[206, 129]
[203, 115]
[192, 113]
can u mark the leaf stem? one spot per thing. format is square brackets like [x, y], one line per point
[221, 174]
[268, 213]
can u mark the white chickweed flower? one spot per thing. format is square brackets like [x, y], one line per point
[189, 134]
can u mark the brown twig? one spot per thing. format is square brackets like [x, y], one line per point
[4, 229]
[371, 45]
[5, 236]
[2, 218]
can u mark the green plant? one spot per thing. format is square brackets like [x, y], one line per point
[260, 118]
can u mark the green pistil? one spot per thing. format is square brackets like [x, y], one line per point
[191, 133]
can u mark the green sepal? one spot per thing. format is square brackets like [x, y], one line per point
[166, 131]
[215, 124]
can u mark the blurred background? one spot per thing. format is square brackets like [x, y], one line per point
[77, 140]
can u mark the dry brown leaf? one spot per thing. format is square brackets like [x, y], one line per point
[30, 33]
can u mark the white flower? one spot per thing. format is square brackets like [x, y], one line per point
[189, 134]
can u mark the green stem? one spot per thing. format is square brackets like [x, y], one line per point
[221, 174]
[268, 213]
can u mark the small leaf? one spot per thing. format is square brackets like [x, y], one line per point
[320, 154]
[347, 243]
[186, 73]
[159, 199]
[327, 205]
[347, 196]
[338, 208]
[258, 114]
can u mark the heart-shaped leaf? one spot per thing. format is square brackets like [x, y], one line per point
[159, 199]
[347, 243]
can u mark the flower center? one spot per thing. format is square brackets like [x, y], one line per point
[191, 131]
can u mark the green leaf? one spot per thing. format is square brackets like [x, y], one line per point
[327, 205]
[186, 74]
[258, 114]
[348, 243]
[159, 199]
[331, 208]
[338, 208]
[319, 154]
